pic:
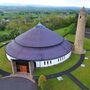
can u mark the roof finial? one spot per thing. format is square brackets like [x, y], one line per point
[39, 19]
[39, 24]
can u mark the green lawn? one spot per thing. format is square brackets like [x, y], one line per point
[58, 68]
[4, 63]
[66, 84]
[86, 40]
[83, 74]
[63, 31]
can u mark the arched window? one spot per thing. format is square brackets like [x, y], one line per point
[80, 16]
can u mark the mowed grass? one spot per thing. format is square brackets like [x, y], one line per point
[63, 31]
[58, 68]
[71, 37]
[4, 63]
[83, 74]
[66, 84]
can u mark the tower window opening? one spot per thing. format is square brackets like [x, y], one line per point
[80, 16]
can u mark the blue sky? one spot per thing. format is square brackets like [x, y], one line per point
[79, 3]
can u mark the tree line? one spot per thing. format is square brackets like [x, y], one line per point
[21, 24]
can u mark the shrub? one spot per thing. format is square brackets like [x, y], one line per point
[42, 81]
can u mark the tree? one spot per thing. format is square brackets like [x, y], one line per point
[42, 81]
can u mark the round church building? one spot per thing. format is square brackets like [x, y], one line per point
[38, 47]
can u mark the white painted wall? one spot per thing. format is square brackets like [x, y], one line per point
[47, 62]
[9, 57]
[52, 62]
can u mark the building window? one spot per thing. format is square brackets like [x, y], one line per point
[44, 63]
[58, 59]
[47, 62]
[80, 16]
[50, 62]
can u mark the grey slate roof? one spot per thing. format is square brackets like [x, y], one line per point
[38, 44]
[39, 36]
[17, 83]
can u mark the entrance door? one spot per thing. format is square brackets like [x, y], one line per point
[23, 68]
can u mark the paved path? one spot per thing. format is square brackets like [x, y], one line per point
[3, 45]
[4, 73]
[66, 71]
[17, 83]
[66, 34]
[82, 86]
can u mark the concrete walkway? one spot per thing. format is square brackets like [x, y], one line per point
[23, 75]
[76, 81]
[17, 83]
[66, 71]
[4, 73]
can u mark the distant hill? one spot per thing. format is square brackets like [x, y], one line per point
[31, 8]
[36, 7]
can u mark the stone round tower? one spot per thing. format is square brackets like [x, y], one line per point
[79, 39]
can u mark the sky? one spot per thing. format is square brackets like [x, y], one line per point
[80, 3]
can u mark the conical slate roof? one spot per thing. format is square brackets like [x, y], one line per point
[39, 36]
[83, 11]
[38, 44]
